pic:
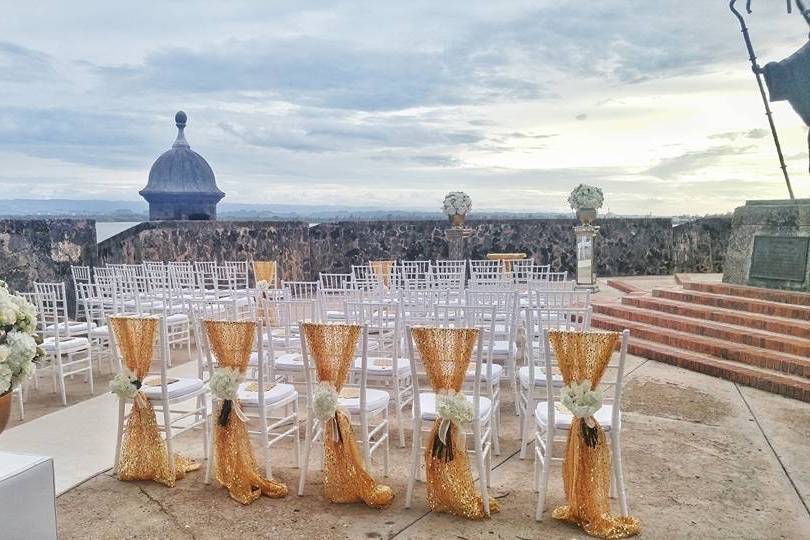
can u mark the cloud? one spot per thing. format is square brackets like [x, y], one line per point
[757, 133]
[689, 162]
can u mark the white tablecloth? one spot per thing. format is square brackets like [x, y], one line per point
[27, 497]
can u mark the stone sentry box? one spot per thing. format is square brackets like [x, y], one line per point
[769, 245]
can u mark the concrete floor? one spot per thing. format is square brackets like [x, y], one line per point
[704, 458]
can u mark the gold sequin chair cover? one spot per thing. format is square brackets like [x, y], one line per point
[236, 469]
[265, 271]
[143, 451]
[382, 269]
[446, 354]
[586, 470]
[345, 479]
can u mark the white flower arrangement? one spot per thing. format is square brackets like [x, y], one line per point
[225, 383]
[125, 385]
[585, 196]
[19, 343]
[263, 284]
[457, 202]
[580, 399]
[455, 407]
[325, 401]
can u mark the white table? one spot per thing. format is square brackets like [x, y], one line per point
[27, 497]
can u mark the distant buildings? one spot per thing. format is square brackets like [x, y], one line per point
[181, 183]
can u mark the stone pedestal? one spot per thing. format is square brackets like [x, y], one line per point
[456, 238]
[586, 258]
[769, 245]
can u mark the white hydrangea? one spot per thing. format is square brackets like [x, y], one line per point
[457, 202]
[263, 284]
[225, 383]
[6, 377]
[454, 406]
[325, 401]
[123, 385]
[22, 348]
[5, 351]
[8, 308]
[580, 399]
[585, 196]
[26, 314]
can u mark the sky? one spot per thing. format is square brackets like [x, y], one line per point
[391, 104]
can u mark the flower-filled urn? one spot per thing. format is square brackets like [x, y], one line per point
[456, 205]
[586, 200]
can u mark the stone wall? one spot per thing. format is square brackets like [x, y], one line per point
[284, 241]
[44, 249]
[700, 246]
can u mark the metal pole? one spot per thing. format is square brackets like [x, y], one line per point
[758, 73]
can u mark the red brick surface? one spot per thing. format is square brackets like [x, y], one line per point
[764, 307]
[759, 293]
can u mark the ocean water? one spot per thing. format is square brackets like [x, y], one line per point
[106, 229]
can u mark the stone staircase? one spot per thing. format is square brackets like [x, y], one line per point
[748, 335]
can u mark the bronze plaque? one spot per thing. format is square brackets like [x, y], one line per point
[781, 258]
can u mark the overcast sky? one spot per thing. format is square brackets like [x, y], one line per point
[393, 103]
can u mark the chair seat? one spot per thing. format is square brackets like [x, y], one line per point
[562, 420]
[427, 404]
[335, 315]
[375, 400]
[403, 366]
[497, 370]
[290, 362]
[177, 388]
[70, 327]
[66, 344]
[278, 393]
[539, 377]
[500, 347]
[177, 318]
[100, 332]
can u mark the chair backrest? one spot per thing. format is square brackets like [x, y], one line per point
[52, 307]
[333, 291]
[440, 350]
[523, 271]
[81, 274]
[484, 272]
[160, 353]
[613, 378]
[556, 298]
[449, 274]
[485, 318]
[239, 272]
[300, 290]
[182, 276]
[382, 320]
[419, 305]
[365, 279]
[205, 274]
[266, 271]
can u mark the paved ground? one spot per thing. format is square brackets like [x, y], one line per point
[704, 458]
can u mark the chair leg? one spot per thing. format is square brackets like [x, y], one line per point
[366, 443]
[307, 448]
[400, 426]
[297, 435]
[416, 444]
[482, 475]
[62, 384]
[387, 449]
[119, 435]
[209, 464]
[22, 404]
[524, 428]
[546, 464]
[618, 472]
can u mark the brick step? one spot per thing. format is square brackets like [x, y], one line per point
[767, 380]
[744, 354]
[624, 286]
[757, 293]
[750, 305]
[710, 329]
[777, 325]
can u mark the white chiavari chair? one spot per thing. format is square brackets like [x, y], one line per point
[99, 335]
[424, 414]
[333, 291]
[81, 274]
[486, 273]
[485, 319]
[387, 369]
[532, 383]
[64, 341]
[368, 406]
[553, 425]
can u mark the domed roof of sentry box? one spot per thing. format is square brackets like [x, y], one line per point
[181, 170]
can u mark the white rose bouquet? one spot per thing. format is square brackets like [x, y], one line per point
[452, 408]
[585, 196]
[19, 342]
[224, 385]
[457, 202]
[583, 403]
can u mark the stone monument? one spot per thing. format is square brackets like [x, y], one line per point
[770, 239]
[181, 183]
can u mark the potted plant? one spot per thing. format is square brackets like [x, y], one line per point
[456, 206]
[586, 200]
[19, 346]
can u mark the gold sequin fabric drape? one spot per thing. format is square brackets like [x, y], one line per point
[236, 469]
[143, 451]
[265, 271]
[345, 478]
[446, 354]
[586, 470]
[382, 269]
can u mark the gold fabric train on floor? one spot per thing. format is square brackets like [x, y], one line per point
[446, 354]
[345, 479]
[231, 344]
[143, 450]
[586, 470]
